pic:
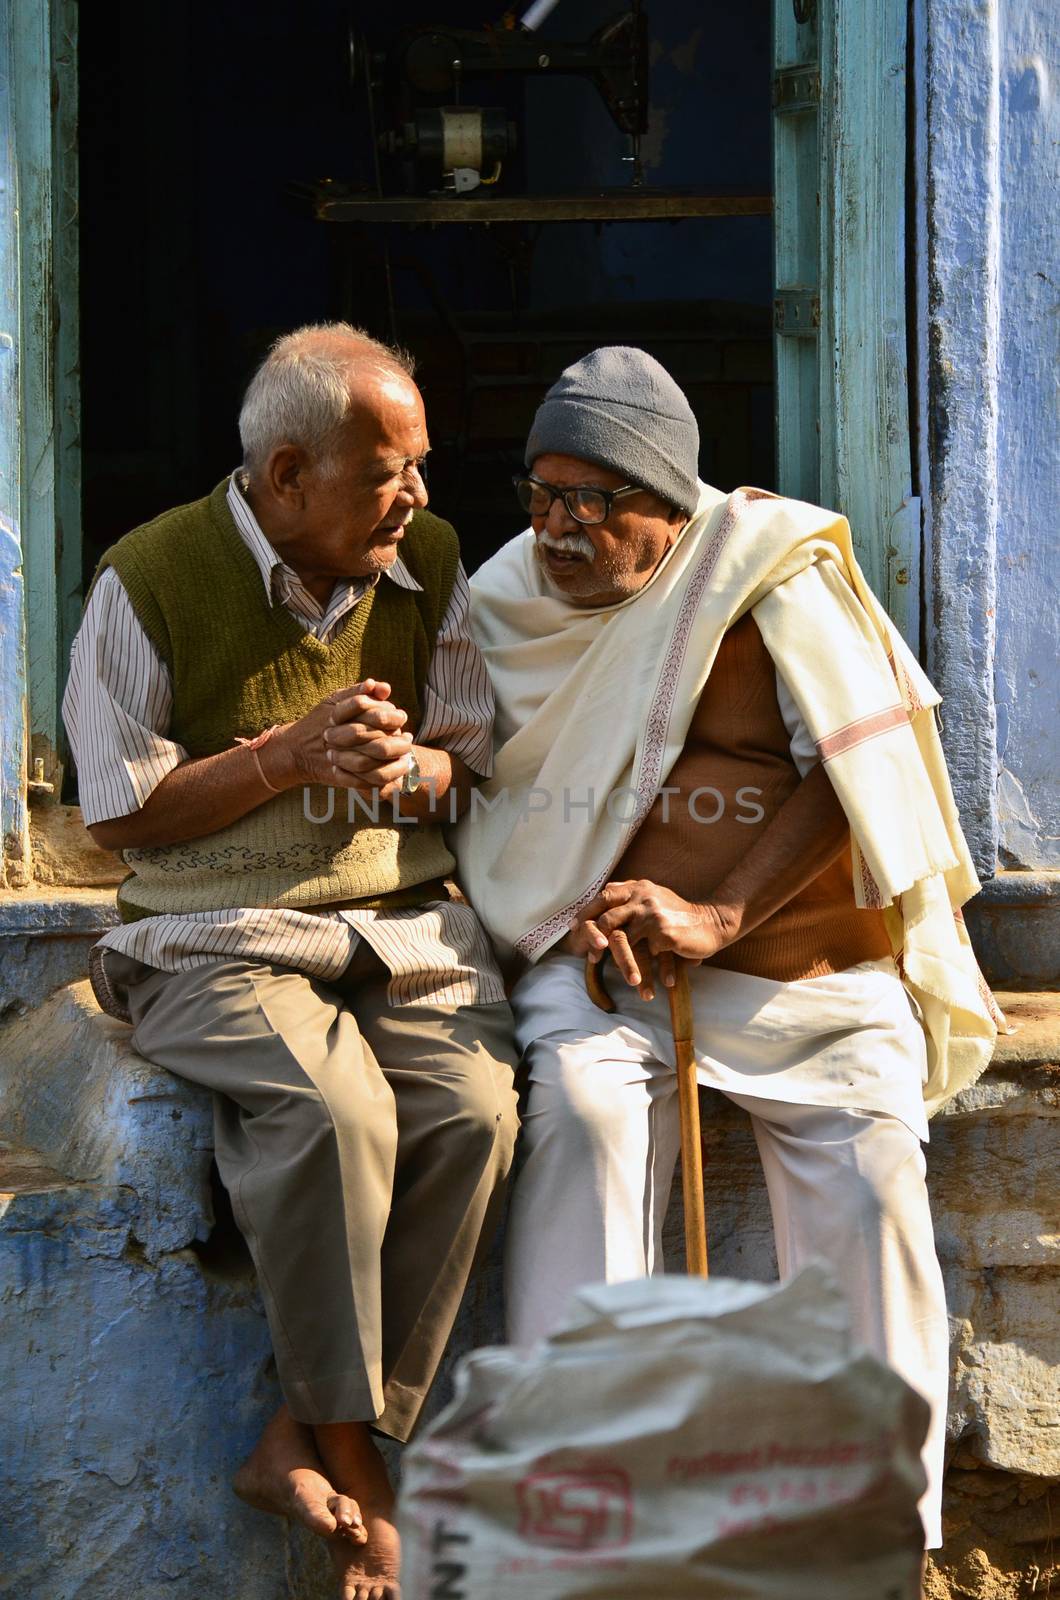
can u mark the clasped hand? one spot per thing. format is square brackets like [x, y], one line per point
[355, 739]
[645, 928]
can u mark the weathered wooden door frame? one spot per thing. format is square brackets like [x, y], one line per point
[14, 855]
[840, 260]
[42, 58]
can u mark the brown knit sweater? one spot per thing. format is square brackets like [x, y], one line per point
[738, 742]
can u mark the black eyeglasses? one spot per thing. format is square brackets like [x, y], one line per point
[584, 503]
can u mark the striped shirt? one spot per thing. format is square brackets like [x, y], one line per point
[117, 710]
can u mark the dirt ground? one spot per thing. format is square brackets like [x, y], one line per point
[1002, 1538]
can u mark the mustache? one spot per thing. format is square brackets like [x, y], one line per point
[570, 544]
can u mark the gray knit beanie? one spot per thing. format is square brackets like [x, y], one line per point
[620, 409]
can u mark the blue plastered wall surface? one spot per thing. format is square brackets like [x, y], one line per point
[987, 171]
[986, 272]
[1028, 439]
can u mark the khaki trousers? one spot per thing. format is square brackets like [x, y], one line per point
[365, 1148]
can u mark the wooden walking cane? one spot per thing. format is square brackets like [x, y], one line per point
[682, 1024]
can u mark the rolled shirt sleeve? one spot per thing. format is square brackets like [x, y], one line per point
[118, 702]
[458, 700]
[117, 707]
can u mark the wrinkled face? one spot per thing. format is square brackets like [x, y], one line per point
[348, 521]
[602, 564]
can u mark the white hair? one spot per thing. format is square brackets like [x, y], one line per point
[301, 392]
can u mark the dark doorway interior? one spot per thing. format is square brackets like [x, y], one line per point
[196, 121]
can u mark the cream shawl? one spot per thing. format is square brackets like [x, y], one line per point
[593, 707]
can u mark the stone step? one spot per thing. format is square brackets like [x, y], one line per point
[1034, 1017]
[1014, 923]
[1026, 1064]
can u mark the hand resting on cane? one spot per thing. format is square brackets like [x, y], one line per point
[644, 925]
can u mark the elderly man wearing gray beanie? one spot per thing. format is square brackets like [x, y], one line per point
[712, 746]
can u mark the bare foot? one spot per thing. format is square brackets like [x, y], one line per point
[350, 1458]
[284, 1475]
[370, 1571]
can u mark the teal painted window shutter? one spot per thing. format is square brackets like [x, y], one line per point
[839, 119]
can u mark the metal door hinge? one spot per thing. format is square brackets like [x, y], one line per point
[796, 89]
[797, 313]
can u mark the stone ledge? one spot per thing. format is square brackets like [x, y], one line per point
[1019, 888]
[1035, 1017]
[96, 1112]
[64, 852]
[44, 912]
[1024, 1074]
[1015, 927]
[45, 935]
[23, 1171]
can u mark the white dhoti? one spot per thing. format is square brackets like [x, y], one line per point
[831, 1072]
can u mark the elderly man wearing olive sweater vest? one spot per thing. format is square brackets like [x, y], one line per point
[712, 733]
[274, 700]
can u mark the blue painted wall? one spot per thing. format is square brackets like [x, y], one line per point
[959, 392]
[988, 389]
[1028, 439]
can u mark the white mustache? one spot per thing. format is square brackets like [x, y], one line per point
[393, 527]
[570, 544]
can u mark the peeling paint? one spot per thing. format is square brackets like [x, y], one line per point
[1026, 841]
[992, 142]
[960, 76]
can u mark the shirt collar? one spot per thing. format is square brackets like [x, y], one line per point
[269, 563]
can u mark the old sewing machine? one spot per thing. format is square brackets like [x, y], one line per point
[431, 137]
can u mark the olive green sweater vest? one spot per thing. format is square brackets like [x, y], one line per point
[239, 664]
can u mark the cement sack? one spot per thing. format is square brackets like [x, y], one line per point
[678, 1438]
